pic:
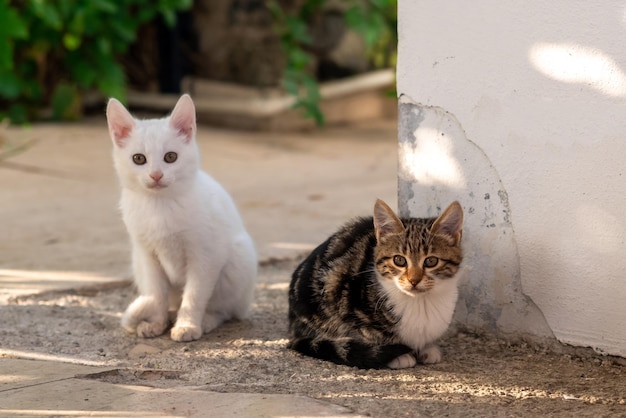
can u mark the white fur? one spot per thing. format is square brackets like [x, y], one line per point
[424, 317]
[191, 252]
[403, 362]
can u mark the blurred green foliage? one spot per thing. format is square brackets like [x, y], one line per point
[52, 51]
[375, 20]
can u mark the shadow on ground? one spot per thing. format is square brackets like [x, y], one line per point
[479, 376]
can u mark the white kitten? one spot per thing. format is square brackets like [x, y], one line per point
[191, 252]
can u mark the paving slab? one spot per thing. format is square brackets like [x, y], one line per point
[36, 388]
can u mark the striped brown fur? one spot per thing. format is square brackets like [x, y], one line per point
[343, 297]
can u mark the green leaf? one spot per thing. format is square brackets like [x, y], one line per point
[105, 6]
[11, 25]
[71, 42]
[65, 102]
[291, 86]
[297, 58]
[169, 17]
[17, 114]
[77, 24]
[122, 29]
[298, 30]
[112, 83]
[79, 41]
[103, 46]
[47, 13]
[11, 28]
[9, 86]
[83, 71]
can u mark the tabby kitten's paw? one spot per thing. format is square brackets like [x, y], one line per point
[403, 362]
[150, 329]
[430, 354]
[186, 333]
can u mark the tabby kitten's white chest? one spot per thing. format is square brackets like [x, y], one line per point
[424, 318]
[191, 252]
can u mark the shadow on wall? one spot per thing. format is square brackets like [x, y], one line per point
[433, 171]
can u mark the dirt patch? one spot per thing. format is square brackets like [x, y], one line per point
[479, 375]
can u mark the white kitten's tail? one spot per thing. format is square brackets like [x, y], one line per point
[146, 317]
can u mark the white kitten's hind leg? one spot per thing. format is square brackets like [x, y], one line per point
[242, 272]
[234, 291]
[403, 362]
[213, 297]
[430, 354]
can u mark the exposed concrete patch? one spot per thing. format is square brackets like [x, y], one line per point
[439, 164]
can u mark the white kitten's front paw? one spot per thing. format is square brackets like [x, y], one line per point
[403, 362]
[186, 333]
[430, 354]
[150, 329]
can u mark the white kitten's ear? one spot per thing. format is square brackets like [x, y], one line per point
[183, 118]
[450, 223]
[121, 123]
[385, 221]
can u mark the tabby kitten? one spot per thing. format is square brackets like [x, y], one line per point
[378, 292]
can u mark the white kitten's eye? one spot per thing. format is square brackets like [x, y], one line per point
[431, 262]
[399, 261]
[170, 157]
[139, 159]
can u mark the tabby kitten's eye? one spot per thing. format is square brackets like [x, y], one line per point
[139, 159]
[431, 262]
[399, 261]
[170, 157]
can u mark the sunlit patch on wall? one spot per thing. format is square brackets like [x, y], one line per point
[431, 160]
[571, 63]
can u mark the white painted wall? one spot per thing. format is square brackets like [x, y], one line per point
[539, 90]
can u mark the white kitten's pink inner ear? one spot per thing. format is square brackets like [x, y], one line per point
[183, 118]
[121, 123]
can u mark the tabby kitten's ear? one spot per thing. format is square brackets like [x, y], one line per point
[450, 223]
[385, 221]
[120, 122]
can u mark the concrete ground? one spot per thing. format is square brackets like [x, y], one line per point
[64, 282]
[60, 231]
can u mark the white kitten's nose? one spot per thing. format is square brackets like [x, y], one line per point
[156, 175]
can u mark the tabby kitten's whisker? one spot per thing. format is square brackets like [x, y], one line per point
[368, 271]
